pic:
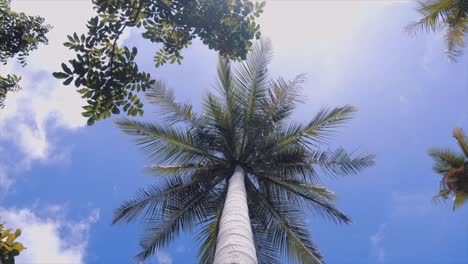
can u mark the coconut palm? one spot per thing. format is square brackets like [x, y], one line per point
[454, 167]
[449, 14]
[240, 175]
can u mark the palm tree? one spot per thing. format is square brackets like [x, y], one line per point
[449, 14]
[239, 174]
[454, 167]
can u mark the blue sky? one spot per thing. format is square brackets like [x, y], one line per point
[60, 181]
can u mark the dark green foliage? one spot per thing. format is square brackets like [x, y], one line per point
[450, 15]
[246, 123]
[10, 83]
[19, 35]
[107, 75]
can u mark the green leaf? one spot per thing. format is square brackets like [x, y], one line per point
[60, 75]
[87, 114]
[115, 110]
[66, 69]
[460, 199]
[90, 121]
[68, 81]
[77, 82]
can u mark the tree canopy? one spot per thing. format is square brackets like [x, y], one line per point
[245, 123]
[107, 74]
[19, 35]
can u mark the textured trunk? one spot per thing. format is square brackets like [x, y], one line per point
[235, 242]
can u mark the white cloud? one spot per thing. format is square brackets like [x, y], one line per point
[5, 181]
[307, 33]
[377, 248]
[65, 17]
[44, 106]
[50, 238]
[163, 258]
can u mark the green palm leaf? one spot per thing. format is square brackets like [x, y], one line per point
[320, 128]
[166, 144]
[173, 111]
[178, 215]
[339, 162]
[462, 140]
[453, 167]
[150, 199]
[285, 228]
[449, 14]
[445, 160]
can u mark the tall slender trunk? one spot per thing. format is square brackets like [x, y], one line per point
[235, 242]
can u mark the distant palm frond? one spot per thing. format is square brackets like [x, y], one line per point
[451, 15]
[453, 167]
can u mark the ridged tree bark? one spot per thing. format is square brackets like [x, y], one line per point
[235, 242]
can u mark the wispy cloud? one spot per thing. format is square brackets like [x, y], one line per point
[377, 247]
[5, 180]
[163, 258]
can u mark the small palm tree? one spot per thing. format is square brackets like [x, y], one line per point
[454, 167]
[239, 174]
[449, 14]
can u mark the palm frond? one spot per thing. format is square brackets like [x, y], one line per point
[267, 252]
[460, 199]
[218, 123]
[457, 22]
[327, 120]
[164, 143]
[283, 97]
[444, 194]
[252, 79]
[148, 201]
[454, 168]
[433, 12]
[208, 238]
[289, 163]
[286, 230]
[227, 90]
[445, 160]
[179, 214]
[172, 111]
[451, 14]
[317, 197]
[462, 140]
[339, 162]
[319, 129]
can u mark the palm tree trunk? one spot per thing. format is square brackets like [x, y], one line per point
[235, 242]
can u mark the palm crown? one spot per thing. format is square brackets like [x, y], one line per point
[449, 14]
[454, 167]
[245, 124]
